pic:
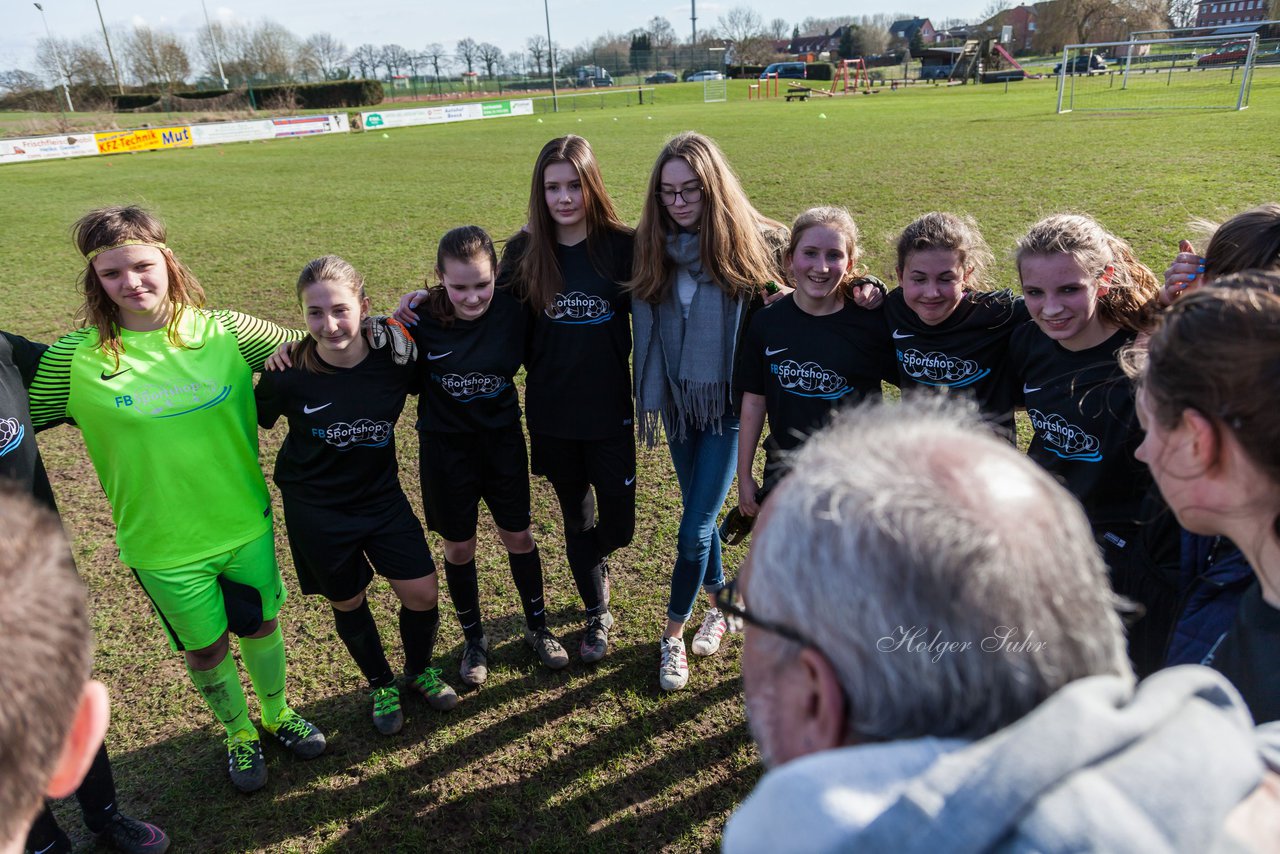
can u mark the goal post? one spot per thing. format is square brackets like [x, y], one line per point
[715, 91]
[1192, 72]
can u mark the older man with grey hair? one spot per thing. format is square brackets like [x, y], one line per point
[933, 662]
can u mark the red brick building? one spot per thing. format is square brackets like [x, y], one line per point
[1216, 13]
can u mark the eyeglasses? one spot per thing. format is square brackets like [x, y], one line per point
[691, 196]
[730, 602]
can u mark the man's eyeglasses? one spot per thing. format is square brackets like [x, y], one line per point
[691, 196]
[730, 602]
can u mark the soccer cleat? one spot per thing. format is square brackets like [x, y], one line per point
[245, 762]
[134, 836]
[434, 690]
[595, 640]
[673, 671]
[549, 650]
[387, 716]
[475, 662]
[301, 737]
[706, 641]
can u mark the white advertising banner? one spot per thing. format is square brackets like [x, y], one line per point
[447, 113]
[219, 132]
[47, 147]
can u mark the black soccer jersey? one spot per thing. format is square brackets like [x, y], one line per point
[19, 458]
[1086, 430]
[806, 366]
[467, 368]
[1248, 658]
[578, 384]
[341, 446]
[967, 351]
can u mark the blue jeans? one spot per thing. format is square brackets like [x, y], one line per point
[705, 464]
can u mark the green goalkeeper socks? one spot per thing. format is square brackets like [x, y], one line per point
[222, 691]
[264, 659]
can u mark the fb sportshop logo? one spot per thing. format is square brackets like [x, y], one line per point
[174, 400]
[1064, 439]
[471, 387]
[940, 369]
[579, 308]
[11, 433]
[809, 380]
[371, 434]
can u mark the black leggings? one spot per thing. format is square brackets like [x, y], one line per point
[97, 797]
[595, 526]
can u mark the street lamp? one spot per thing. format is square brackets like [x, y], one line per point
[217, 54]
[57, 55]
[551, 53]
[115, 68]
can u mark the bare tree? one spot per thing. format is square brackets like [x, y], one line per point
[469, 52]
[324, 56]
[367, 58]
[435, 54]
[271, 50]
[18, 81]
[743, 27]
[537, 47]
[778, 29]
[53, 58]
[156, 57]
[661, 34]
[1182, 13]
[395, 58]
[490, 55]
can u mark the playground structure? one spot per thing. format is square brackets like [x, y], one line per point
[985, 61]
[767, 88]
[857, 81]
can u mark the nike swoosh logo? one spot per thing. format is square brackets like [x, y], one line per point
[1026, 390]
[431, 357]
[107, 376]
[629, 481]
[307, 410]
[770, 352]
[900, 336]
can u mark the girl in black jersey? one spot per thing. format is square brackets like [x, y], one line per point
[1090, 297]
[809, 352]
[1208, 383]
[567, 266]
[471, 342]
[337, 473]
[949, 331]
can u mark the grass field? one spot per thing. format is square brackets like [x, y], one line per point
[592, 758]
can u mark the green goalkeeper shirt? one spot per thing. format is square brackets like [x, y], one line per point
[171, 430]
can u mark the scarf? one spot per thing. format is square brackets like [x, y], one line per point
[684, 379]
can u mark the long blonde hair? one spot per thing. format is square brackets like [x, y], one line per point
[111, 226]
[327, 268]
[739, 246]
[1131, 299]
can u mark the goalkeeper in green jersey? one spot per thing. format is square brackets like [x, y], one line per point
[162, 390]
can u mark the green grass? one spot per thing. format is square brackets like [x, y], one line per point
[590, 758]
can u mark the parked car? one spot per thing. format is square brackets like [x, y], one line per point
[662, 77]
[592, 75]
[699, 76]
[1090, 64]
[1228, 53]
[785, 70]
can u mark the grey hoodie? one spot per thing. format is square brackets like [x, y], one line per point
[1096, 767]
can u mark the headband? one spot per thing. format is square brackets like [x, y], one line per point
[94, 253]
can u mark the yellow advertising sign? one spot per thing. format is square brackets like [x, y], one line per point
[145, 139]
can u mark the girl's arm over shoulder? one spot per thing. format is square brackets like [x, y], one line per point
[256, 338]
[26, 356]
[50, 387]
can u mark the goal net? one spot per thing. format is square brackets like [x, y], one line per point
[714, 91]
[1206, 72]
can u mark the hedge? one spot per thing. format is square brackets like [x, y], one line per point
[820, 70]
[313, 96]
[749, 72]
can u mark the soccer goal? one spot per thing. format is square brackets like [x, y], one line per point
[714, 91]
[1204, 72]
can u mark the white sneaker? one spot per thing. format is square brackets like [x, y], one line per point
[673, 672]
[707, 639]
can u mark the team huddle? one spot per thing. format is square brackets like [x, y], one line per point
[672, 329]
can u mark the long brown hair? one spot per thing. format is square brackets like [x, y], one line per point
[1131, 301]
[734, 238]
[464, 243]
[1247, 241]
[538, 275]
[840, 221]
[328, 268]
[111, 226]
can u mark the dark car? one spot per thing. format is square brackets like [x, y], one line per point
[786, 70]
[1090, 64]
[661, 77]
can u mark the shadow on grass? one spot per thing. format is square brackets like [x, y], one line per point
[586, 758]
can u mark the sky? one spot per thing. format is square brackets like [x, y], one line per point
[414, 24]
